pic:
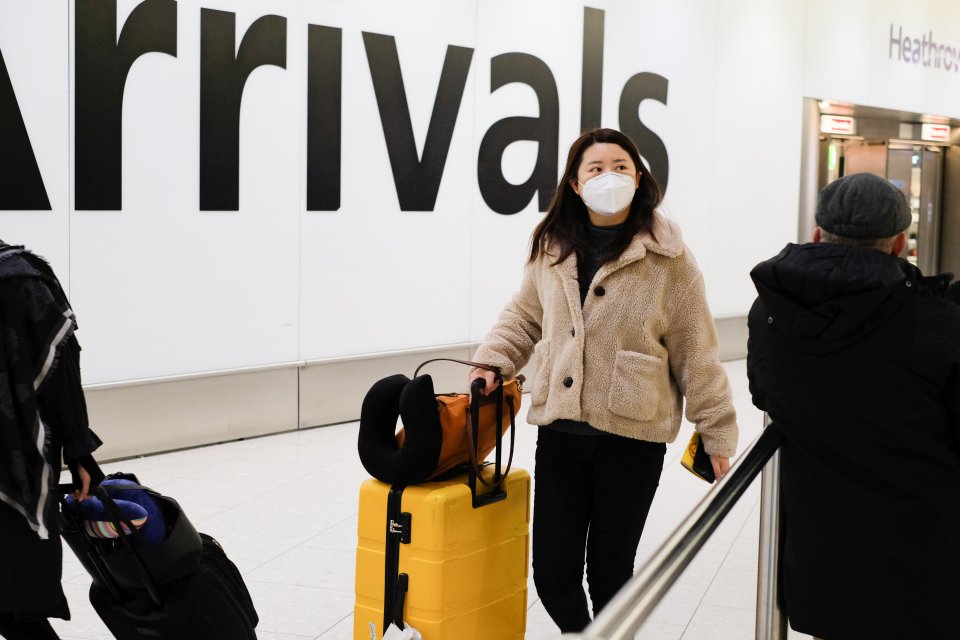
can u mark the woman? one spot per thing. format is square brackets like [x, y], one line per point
[43, 418]
[615, 305]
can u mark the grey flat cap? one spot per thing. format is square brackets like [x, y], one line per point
[862, 205]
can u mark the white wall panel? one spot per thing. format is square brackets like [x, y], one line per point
[162, 287]
[855, 52]
[943, 86]
[838, 54]
[375, 278]
[893, 82]
[643, 38]
[33, 39]
[500, 243]
[754, 195]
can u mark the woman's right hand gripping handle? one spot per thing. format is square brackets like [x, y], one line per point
[489, 377]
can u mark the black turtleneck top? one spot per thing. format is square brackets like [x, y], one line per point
[599, 241]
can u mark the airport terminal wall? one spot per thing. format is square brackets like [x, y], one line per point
[260, 208]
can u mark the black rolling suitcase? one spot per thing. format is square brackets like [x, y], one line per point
[184, 588]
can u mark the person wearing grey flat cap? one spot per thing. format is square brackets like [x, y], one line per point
[855, 356]
[862, 210]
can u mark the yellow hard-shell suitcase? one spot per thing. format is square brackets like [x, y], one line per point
[464, 568]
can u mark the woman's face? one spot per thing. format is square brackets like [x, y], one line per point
[599, 158]
[602, 157]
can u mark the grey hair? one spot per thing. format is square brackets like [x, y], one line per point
[880, 244]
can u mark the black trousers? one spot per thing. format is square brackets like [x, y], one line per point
[591, 499]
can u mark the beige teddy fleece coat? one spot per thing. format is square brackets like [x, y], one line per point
[643, 340]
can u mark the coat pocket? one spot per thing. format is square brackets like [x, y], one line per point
[636, 386]
[541, 383]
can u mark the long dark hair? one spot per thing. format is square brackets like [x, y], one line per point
[564, 228]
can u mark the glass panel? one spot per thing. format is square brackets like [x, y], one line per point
[929, 231]
[903, 171]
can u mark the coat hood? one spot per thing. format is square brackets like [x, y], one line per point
[824, 296]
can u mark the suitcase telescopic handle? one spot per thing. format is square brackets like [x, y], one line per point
[473, 434]
[478, 365]
[76, 522]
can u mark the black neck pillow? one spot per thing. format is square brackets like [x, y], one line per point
[414, 402]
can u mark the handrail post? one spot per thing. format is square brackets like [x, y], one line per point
[771, 620]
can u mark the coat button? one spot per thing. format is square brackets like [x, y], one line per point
[573, 332]
[599, 291]
[568, 382]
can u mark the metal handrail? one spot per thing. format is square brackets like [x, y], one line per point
[627, 611]
[771, 623]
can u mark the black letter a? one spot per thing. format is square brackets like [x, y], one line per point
[21, 187]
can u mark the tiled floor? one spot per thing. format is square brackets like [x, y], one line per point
[285, 509]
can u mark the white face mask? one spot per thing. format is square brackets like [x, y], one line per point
[608, 193]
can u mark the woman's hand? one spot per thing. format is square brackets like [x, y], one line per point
[489, 377]
[84, 490]
[720, 466]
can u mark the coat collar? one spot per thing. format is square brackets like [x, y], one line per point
[668, 243]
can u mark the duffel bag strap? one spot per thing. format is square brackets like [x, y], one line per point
[69, 488]
[129, 487]
[478, 365]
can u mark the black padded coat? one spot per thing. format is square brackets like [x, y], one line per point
[856, 357]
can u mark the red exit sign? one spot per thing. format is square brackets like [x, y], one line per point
[935, 132]
[839, 125]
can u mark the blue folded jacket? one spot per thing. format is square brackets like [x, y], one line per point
[137, 505]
